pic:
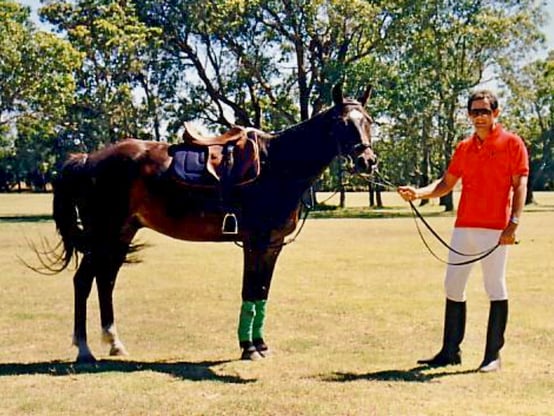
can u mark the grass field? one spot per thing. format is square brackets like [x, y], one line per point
[354, 303]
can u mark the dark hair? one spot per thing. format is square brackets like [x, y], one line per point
[483, 95]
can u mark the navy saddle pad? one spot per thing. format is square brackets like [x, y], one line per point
[189, 166]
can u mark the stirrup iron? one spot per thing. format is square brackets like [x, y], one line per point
[230, 224]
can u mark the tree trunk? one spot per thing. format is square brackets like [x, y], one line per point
[379, 199]
[425, 166]
[529, 199]
[342, 201]
[371, 193]
[448, 202]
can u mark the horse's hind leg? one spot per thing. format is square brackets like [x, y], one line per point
[82, 285]
[259, 263]
[105, 282]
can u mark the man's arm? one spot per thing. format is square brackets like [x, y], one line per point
[434, 190]
[519, 186]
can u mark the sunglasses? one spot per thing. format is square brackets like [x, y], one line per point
[476, 112]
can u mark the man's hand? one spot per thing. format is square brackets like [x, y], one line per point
[408, 193]
[508, 236]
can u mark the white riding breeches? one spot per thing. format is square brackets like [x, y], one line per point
[476, 240]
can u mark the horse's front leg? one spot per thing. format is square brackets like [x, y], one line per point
[105, 282]
[82, 285]
[259, 263]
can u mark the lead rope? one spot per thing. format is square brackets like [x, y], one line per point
[416, 214]
[481, 255]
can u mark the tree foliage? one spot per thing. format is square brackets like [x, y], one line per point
[443, 53]
[114, 98]
[530, 111]
[141, 68]
[36, 88]
[264, 63]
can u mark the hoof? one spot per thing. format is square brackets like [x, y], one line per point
[264, 353]
[250, 354]
[262, 348]
[118, 351]
[85, 359]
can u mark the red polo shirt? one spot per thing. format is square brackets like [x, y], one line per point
[486, 170]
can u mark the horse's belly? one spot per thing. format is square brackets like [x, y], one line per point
[199, 227]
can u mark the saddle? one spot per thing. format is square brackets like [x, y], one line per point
[230, 159]
[221, 163]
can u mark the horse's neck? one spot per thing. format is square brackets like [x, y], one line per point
[303, 151]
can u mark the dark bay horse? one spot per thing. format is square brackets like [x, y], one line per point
[102, 199]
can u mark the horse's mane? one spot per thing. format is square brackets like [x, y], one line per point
[304, 123]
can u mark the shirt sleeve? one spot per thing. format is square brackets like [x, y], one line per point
[456, 165]
[519, 158]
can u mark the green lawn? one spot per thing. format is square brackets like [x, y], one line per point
[354, 303]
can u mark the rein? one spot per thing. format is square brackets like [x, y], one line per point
[417, 215]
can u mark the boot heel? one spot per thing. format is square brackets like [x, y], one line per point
[492, 367]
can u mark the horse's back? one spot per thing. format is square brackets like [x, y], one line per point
[131, 150]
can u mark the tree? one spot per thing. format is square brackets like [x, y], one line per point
[36, 85]
[148, 66]
[530, 112]
[115, 96]
[441, 54]
[242, 62]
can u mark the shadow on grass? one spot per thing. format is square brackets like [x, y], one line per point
[416, 374]
[200, 371]
[25, 218]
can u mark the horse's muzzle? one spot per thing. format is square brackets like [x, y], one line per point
[365, 160]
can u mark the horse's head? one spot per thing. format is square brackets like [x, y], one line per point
[353, 129]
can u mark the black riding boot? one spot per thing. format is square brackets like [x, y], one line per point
[454, 329]
[498, 317]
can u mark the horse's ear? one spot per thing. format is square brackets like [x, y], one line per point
[365, 96]
[337, 93]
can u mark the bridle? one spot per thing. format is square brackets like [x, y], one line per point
[475, 257]
[358, 148]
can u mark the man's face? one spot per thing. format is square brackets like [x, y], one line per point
[482, 115]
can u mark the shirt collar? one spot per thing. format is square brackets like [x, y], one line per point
[493, 135]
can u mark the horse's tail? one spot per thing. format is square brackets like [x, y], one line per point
[71, 179]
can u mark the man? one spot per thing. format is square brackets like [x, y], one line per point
[493, 166]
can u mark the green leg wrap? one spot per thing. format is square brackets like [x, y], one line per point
[259, 320]
[246, 319]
